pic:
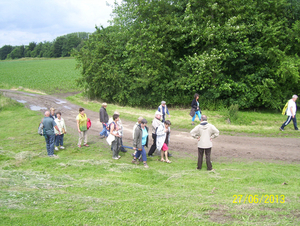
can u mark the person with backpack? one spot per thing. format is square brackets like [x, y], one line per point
[82, 128]
[291, 113]
[48, 127]
[115, 131]
[163, 139]
[134, 127]
[104, 120]
[60, 122]
[155, 123]
[140, 141]
[164, 110]
[195, 108]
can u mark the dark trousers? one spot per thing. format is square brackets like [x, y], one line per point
[289, 120]
[59, 140]
[153, 147]
[207, 155]
[50, 143]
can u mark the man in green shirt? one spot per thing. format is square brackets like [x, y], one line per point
[49, 133]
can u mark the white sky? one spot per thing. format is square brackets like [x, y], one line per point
[25, 21]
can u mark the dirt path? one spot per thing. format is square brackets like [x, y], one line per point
[255, 148]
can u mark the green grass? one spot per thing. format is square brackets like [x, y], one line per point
[46, 75]
[86, 187]
[265, 123]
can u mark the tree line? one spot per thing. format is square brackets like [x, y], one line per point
[230, 52]
[60, 47]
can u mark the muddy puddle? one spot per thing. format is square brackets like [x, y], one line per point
[58, 101]
[66, 107]
[36, 108]
[22, 101]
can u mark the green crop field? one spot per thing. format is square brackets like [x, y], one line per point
[86, 187]
[46, 75]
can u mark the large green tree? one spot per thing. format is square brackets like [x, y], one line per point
[236, 52]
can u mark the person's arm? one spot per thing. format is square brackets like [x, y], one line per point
[64, 126]
[291, 109]
[136, 137]
[195, 132]
[112, 128]
[78, 126]
[158, 109]
[168, 111]
[215, 132]
[57, 129]
[101, 115]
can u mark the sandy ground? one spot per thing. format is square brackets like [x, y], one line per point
[182, 144]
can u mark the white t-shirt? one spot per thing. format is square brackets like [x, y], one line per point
[288, 110]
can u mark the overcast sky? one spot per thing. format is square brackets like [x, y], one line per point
[25, 21]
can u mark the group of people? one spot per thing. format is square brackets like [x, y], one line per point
[55, 128]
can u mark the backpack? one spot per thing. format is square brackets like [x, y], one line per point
[41, 129]
[88, 123]
[108, 126]
[284, 109]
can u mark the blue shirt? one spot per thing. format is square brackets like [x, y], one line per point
[144, 137]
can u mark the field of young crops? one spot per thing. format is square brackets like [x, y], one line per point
[46, 75]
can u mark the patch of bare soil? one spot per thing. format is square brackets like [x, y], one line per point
[182, 144]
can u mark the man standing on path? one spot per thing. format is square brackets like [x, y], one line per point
[155, 123]
[49, 133]
[291, 113]
[104, 120]
[204, 132]
[164, 110]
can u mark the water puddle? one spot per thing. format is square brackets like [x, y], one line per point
[60, 101]
[36, 108]
[30, 94]
[67, 107]
[22, 101]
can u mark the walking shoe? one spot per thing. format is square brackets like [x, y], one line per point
[102, 136]
[145, 165]
[79, 146]
[62, 147]
[86, 145]
[56, 148]
[119, 157]
[134, 161]
[193, 124]
[281, 129]
[115, 158]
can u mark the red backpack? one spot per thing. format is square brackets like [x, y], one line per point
[88, 123]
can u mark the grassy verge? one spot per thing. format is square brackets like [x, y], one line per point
[46, 75]
[86, 187]
[248, 122]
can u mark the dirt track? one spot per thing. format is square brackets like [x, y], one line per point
[237, 147]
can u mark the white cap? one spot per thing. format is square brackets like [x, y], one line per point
[158, 113]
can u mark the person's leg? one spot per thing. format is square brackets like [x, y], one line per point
[207, 156]
[199, 115]
[80, 138]
[62, 140]
[286, 122]
[166, 155]
[200, 158]
[137, 154]
[114, 148]
[118, 145]
[153, 147]
[295, 123]
[162, 156]
[193, 119]
[52, 139]
[85, 137]
[57, 140]
[103, 132]
[47, 139]
[144, 155]
[163, 118]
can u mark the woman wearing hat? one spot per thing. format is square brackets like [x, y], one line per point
[164, 110]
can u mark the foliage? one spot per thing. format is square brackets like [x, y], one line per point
[49, 76]
[60, 47]
[232, 52]
[86, 187]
